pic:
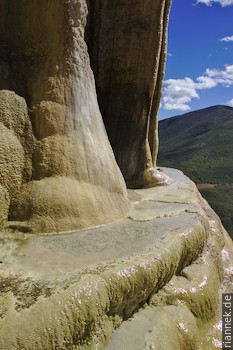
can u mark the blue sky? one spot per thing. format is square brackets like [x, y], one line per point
[199, 70]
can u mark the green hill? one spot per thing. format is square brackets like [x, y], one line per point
[200, 143]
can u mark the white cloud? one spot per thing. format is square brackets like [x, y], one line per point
[227, 39]
[178, 93]
[223, 3]
[205, 82]
[230, 103]
[224, 77]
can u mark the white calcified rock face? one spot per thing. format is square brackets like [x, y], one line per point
[65, 175]
[58, 173]
[166, 265]
[58, 170]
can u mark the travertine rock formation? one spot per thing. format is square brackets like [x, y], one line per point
[161, 270]
[127, 44]
[58, 171]
[57, 167]
[16, 147]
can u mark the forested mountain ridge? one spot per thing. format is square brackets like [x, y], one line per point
[200, 143]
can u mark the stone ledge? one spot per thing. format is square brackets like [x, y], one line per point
[71, 291]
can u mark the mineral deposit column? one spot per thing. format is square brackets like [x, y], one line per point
[127, 44]
[74, 181]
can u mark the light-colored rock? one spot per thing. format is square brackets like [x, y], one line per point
[155, 277]
[14, 115]
[58, 204]
[4, 205]
[12, 161]
[170, 255]
[17, 141]
[64, 142]
[49, 102]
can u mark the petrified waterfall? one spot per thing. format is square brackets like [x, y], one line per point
[58, 171]
[127, 45]
[80, 85]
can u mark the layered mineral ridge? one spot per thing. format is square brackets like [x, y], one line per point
[158, 274]
[80, 86]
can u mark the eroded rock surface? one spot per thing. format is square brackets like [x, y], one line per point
[168, 261]
[161, 270]
[65, 175]
[127, 45]
[57, 169]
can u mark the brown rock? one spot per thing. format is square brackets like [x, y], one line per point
[16, 147]
[14, 115]
[12, 161]
[4, 205]
[127, 44]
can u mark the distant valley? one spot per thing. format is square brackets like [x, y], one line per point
[200, 143]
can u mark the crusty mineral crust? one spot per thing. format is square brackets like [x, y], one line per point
[57, 167]
[65, 175]
[165, 265]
